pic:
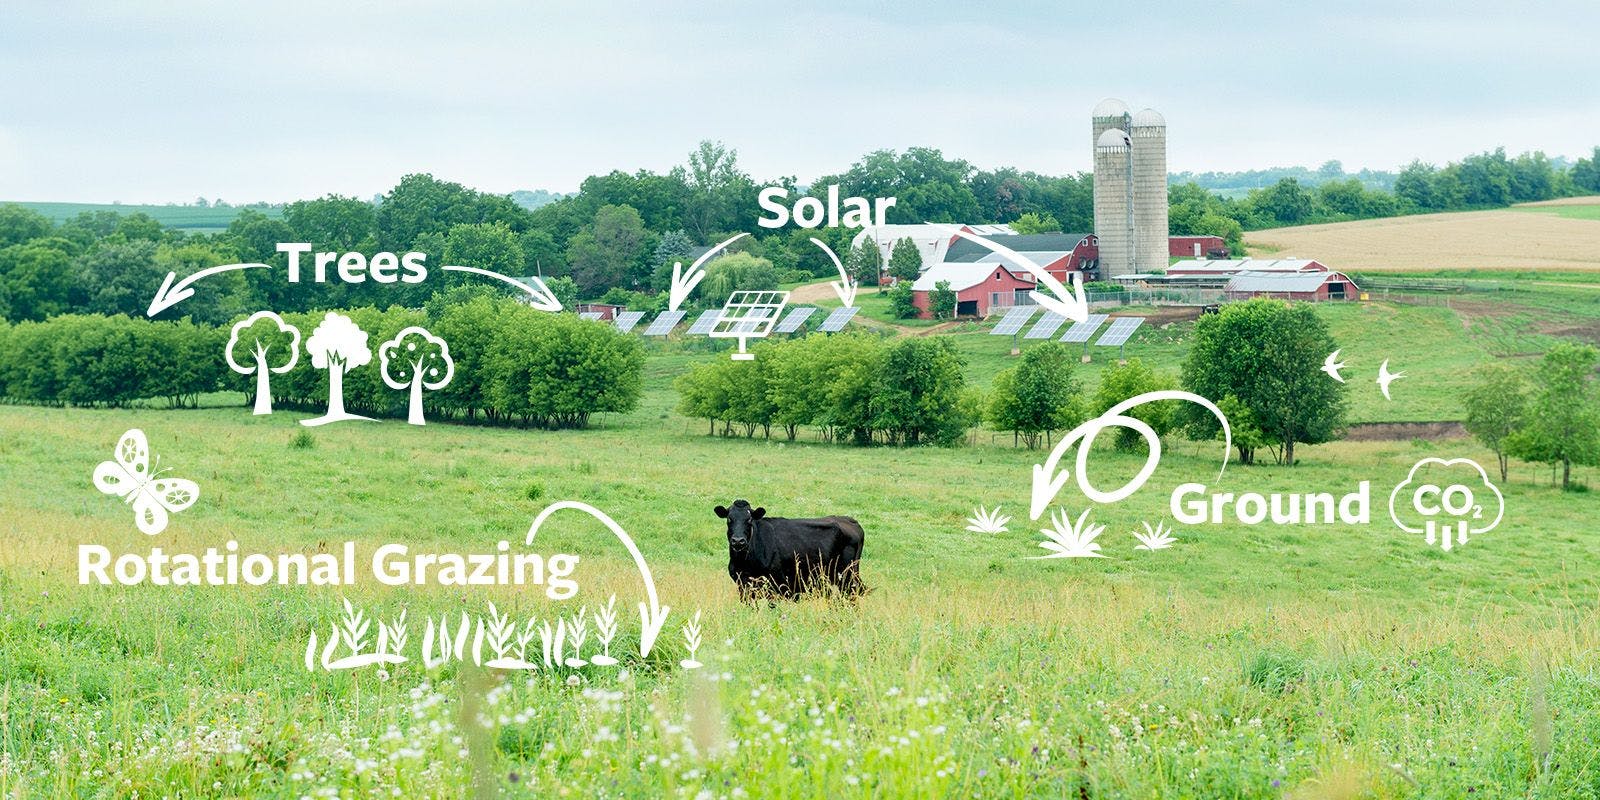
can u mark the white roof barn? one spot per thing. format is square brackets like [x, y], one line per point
[1228, 266]
[961, 275]
[933, 243]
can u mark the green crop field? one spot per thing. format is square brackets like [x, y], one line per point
[186, 218]
[1295, 660]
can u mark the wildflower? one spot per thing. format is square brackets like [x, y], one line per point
[573, 680]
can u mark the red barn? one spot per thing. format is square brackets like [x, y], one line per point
[1059, 253]
[979, 287]
[1196, 247]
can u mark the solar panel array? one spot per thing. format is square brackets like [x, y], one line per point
[663, 324]
[704, 323]
[627, 319]
[795, 319]
[1046, 327]
[837, 319]
[750, 322]
[1014, 320]
[1081, 331]
[1119, 331]
[590, 315]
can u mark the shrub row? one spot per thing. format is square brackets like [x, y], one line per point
[513, 365]
[858, 388]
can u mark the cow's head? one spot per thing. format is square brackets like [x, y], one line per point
[741, 523]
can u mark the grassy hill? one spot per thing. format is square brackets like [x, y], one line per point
[1560, 236]
[187, 218]
[1245, 661]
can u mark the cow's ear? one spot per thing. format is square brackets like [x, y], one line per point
[758, 513]
[722, 511]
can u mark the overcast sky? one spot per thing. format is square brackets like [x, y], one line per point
[245, 103]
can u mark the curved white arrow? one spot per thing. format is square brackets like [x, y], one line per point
[651, 617]
[684, 282]
[1047, 482]
[844, 287]
[171, 294]
[1068, 303]
[543, 298]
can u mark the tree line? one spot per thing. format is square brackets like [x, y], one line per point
[1260, 360]
[513, 365]
[617, 238]
[855, 388]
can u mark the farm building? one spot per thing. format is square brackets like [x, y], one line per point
[979, 286]
[1058, 253]
[1237, 265]
[1314, 286]
[606, 311]
[1196, 247]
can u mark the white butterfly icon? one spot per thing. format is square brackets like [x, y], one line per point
[129, 477]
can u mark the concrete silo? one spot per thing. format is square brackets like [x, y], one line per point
[1113, 202]
[1113, 188]
[1149, 166]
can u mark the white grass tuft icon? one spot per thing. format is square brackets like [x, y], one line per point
[1158, 538]
[985, 521]
[1069, 539]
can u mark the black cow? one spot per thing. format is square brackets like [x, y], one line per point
[787, 557]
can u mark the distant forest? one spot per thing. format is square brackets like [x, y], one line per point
[617, 237]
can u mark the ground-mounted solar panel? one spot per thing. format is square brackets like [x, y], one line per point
[590, 315]
[796, 318]
[705, 322]
[1080, 332]
[837, 319]
[663, 324]
[627, 319]
[749, 315]
[1046, 327]
[1013, 321]
[1118, 332]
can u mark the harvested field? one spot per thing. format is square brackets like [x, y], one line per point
[1521, 238]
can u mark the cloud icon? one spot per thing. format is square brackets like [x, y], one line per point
[1450, 499]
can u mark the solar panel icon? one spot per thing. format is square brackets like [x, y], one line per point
[1046, 327]
[1121, 328]
[748, 315]
[663, 324]
[627, 319]
[1014, 320]
[592, 316]
[795, 319]
[703, 323]
[838, 319]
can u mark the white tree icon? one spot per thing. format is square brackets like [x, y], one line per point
[338, 346]
[265, 332]
[416, 359]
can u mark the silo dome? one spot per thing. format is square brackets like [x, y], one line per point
[1110, 107]
[1113, 138]
[1149, 118]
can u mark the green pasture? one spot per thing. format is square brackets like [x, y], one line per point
[1246, 661]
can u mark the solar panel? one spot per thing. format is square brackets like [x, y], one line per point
[1046, 327]
[748, 315]
[837, 319]
[627, 319]
[703, 323]
[1081, 331]
[1014, 320]
[1119, 331]
[794, 319]
[664, 323]
[590, 315]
